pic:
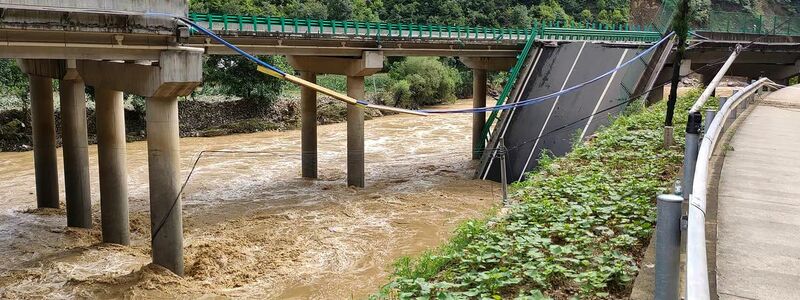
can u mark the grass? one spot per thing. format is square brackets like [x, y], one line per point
[579, 230]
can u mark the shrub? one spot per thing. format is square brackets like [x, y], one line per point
[421, 81]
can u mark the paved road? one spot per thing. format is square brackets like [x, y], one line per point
[758, 246]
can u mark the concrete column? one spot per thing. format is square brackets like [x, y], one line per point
[76, 153]
[355, 133]
[478, 119]
[686, 67]
[164, 170]
[111, 153]
[44, 142]
[308, 109]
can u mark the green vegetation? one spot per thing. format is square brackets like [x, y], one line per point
[579, 229]
[422, 81]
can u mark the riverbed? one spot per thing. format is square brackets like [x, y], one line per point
[253, 227]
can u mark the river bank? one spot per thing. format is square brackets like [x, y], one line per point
[198, 118]
[253, 228]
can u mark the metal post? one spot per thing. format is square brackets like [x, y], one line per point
[690, 152]
[503, 175]
[710, 113]
[668, 243]
[722, 101]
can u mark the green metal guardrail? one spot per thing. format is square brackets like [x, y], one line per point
[742, 22]
[569, 30]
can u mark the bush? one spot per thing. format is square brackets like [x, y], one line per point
[421, 81]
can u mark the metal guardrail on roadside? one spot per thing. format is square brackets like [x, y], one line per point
[696, 168]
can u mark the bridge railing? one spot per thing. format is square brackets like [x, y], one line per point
[742, 22]
[561, 30]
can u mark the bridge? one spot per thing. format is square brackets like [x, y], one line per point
[122, 47]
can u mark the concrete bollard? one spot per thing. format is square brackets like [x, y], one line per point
[668, 243]
[690, 152]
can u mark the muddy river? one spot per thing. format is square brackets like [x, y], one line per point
[253, 227]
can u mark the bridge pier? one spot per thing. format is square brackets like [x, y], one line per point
[44, 141]
[478, 119]
[113, 174]
[163, 160]
[355, 133]
[177, 74]
[355, 69]
[76, 152]
[308, 134]
[480, 66]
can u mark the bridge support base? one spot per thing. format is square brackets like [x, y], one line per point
[44, 142]
[113, 174]
[478, 119]
[76, 153]
[308, 112]
[355, 133]
[163, 154]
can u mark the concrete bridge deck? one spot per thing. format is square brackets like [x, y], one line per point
[758, 243]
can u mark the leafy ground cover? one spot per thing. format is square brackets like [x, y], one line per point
[579, 230]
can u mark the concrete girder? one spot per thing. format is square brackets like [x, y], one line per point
[369, 63]
[178, 73]
[489, 63]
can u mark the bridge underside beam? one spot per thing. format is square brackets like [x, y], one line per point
[355, 50]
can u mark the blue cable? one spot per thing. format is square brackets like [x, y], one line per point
[231, 46]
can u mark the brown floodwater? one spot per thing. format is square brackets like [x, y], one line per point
[253, 228]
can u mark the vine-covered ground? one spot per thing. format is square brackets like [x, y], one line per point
[580, 228]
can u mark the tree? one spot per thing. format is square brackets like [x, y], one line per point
[517, 16]
[237, 76]
[422, 81]
[551, 10]
[586, 16]
[313, 9]
[14, 82]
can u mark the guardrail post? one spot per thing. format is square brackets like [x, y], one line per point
[668, 243]
[503, 151]
[690, 152]
[710, 113]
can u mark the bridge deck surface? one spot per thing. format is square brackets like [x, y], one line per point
[758, 246]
